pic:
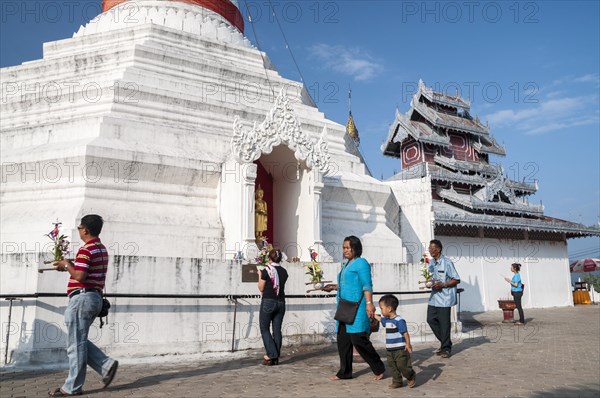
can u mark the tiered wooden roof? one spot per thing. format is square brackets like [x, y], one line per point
[470, 192]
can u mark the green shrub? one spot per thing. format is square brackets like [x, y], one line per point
[593, 280]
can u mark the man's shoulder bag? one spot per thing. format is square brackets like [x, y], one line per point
[104, 310]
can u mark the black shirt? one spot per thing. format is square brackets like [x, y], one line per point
[269, 293]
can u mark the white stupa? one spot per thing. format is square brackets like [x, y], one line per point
[160, 116]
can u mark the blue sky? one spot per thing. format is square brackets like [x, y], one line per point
[530, 68]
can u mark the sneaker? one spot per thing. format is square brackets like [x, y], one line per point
[519, 323]
[438, 351]
[111, 374]
[412, 382]
[445, 354]
[394, 385]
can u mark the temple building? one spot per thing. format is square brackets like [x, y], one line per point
[449, 190]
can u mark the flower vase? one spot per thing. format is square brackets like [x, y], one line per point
[318, 285]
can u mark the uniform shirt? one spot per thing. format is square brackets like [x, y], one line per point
[394, 330]
[516, 279]
[443, 270]
[93, 259]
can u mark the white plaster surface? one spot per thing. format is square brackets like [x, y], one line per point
[146, 327]
[135, 122]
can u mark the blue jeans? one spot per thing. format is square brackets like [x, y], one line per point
[81, 312]
[271, 311]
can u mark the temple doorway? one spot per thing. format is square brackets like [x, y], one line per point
[286, 185]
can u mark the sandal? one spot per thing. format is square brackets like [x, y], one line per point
[60, 393]
[270, 362]
[337, 378]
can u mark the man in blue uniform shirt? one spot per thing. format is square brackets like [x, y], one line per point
[443, 297]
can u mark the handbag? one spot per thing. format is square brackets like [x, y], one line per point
[346, 311]
[374, 325]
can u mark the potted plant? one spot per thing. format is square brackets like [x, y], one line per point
[428, 276]
[263, 255]
[315, 272]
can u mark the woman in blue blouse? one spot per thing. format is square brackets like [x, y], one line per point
[516, 289]
[355, 284]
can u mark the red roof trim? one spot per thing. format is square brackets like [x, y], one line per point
[225, 8]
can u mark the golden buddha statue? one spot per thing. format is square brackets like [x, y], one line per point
[260, 215]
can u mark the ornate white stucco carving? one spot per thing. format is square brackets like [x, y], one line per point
[176, 15]
[279, 126]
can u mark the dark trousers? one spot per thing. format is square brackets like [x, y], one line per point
[517, 296]
[438, 319]
[363, 345]
[401, 365]
[271, 312]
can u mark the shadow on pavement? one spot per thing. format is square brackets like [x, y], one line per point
[583, 391]
[429, 372]
[25, 374]
[292, 358]
[211, 368]
[206, 369]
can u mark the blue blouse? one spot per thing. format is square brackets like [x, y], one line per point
[353, 279]
[516, 279]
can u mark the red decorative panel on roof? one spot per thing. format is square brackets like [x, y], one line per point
[461, 147]
[411, 154]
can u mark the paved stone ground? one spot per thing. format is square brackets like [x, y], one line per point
[557, 354]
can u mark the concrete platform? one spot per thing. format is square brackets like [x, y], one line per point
[557, 354]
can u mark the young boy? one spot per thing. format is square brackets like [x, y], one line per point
[397, 342]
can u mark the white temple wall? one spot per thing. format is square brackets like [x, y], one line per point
[353, 205]
[305, 236]
[144, 327]
[483, 263]
[131, 196]
[294, 214]
[289, 217]
[414, 199]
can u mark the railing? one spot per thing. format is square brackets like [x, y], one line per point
[231, 297]
[466, 165]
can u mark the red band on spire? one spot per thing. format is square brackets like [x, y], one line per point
[225, 8]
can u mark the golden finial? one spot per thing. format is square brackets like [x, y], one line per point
[350, 125]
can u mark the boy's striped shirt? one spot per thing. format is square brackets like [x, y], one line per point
[394, 330]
